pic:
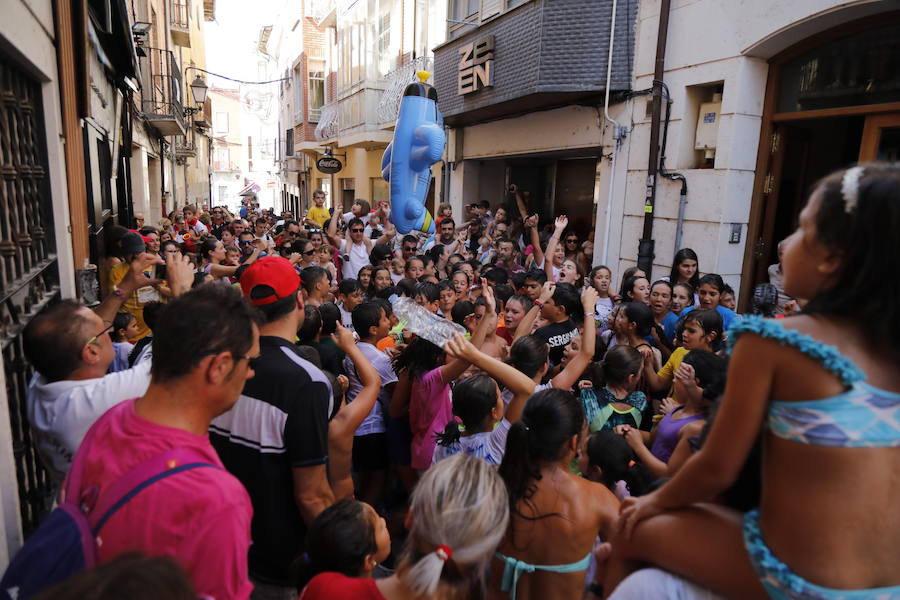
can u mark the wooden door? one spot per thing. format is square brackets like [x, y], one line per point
[881, 138]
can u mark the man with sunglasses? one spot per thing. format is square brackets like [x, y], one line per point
[275, 438]
[70, 349]
[218, 222]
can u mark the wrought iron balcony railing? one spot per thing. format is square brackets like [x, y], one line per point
[398, 79]
[328, 122]
[162, 92]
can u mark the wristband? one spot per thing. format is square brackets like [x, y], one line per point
[590, 315]
[538, 303]
[118, 293]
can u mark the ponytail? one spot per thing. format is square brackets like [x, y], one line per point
[450, 435]
[617, 462]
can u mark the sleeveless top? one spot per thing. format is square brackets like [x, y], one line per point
[862, 416]
[667, 434]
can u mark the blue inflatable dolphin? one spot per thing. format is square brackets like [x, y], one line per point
[418, 143]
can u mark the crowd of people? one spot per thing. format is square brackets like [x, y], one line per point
[591, 434]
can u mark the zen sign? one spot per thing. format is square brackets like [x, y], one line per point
[476, 66]
[329, 165]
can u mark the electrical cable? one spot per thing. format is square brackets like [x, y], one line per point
[236, 80]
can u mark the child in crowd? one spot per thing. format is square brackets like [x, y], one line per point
[398, 269]
[558, 304]
[630, 272]
[786, 376]
[701, 330]
[124, 328]
[232, 256]
[699, 380]
[636, 289]
[517, 306]
[428, 295]
[478, 404]
[364, 276]
[325, 259]
[618, 402]
[608, 459]
[447, 298]
[685, 269]
[660, 304]
[600, 279]
[350, 416]
[682, 298]
[632, 324]
[710, 291]
[349, 296]
[414, 268]
[727, 298]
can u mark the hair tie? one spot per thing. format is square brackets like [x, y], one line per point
[444, 552]
[850, 188]
[631, 463]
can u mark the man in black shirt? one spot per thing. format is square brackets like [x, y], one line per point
[275, 439]
[558, 309]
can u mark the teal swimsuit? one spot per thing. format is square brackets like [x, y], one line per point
[861, 417]
[513, 569]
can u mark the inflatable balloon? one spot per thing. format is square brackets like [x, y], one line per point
[418, 143]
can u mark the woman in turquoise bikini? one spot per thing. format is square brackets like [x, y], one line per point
[555, 516]
[825, 387]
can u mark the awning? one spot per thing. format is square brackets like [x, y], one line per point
[249, 190]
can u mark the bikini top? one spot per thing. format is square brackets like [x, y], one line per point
[513, 569]
[861, 417]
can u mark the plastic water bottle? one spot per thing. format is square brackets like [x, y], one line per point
[425, 324]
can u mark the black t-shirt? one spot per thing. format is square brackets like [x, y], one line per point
[280, 422]
[558, 335]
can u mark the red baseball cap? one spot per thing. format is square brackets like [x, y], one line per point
[274, 272]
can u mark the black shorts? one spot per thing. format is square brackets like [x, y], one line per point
[370, 452]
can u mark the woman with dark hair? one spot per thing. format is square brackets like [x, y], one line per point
[555, 515]
[380, 279]
[685, 268]
[212, 259]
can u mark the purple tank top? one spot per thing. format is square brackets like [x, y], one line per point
[667, 435]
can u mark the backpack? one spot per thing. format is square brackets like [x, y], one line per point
[67, 540]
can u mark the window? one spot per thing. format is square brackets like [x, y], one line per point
[221, 158]
[289, 142]
[381, 190]
[316, 90]
[383, 40]
[221, 121]
[298, 95]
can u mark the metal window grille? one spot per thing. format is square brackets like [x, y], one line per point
[29, 277]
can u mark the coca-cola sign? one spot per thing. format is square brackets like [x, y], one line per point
[329, 165]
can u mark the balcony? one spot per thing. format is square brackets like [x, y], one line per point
[398, 79]
[180, 23]
[203, 119]
[351, 122]
[328, 122]
[225, 166]
[162, 91]
[185, 148]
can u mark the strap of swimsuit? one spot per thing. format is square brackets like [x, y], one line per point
[513, 569]
[827, 356]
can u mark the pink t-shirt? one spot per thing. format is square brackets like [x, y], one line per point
[200, 517]
[430, 410]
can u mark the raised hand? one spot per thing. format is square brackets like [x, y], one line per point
[589, 299]
[562, 221]
[547, 291]
[460, 347]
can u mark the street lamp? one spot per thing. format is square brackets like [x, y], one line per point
[198, 91]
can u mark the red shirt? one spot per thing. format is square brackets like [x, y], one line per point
[201, 518]
[337, 586]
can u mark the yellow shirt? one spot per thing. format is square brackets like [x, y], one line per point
[318, 215]
[671, 367]
[135, 301]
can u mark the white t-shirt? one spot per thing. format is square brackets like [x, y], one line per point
[60, 413]
[348, 216]
[487, 445]
[358, 258]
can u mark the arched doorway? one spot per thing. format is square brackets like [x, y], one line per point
[831, 100]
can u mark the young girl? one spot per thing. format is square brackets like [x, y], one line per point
[685, 268]
[461, 283]
[414, 267]
[682, 298]
[699, 382]
[398, 268]
[124, 328]
[347, 538]
[630, 272]
[555, 514]
[600, 279]
[326, 258]
[701, 329]
[636, 289]
[516, 308]
[457, 515]
[618, 402]
[445, 211]
[423, 368]
[608, 459]
[710, 292]
[477, 403]
[364, 276]
[632, 324]
[381, 278]
[827, 365]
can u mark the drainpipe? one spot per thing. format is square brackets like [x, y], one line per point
[682, 199]
[647, 244]
[619, 132]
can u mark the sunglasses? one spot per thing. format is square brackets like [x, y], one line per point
[93, 339]
[409, 248]
[309, 252]
[245, 242]
[572, 241]
[357, 230]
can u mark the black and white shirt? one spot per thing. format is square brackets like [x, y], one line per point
[279, 423]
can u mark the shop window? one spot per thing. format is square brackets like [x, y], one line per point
[855, 70]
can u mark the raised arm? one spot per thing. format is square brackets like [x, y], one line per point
[520, 202]
[134, 278]
[454, 368]
[531, 224]
[514, 380]
[351, 416]
[559, 226]
[578, 363]
[524, 327]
